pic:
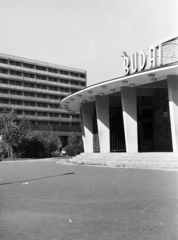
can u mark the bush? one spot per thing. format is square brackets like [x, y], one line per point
[73, 150]
[75, 145]
[3, 150]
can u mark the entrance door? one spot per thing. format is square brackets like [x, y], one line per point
[145, 129]
[117, 137]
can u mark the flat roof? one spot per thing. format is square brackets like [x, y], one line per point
[73, 101]
[41, 63]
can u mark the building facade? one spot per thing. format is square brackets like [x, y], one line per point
[137, 112]
[35, 89]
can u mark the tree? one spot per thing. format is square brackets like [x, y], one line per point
[75, 145]
[12, 134]
[73, 139]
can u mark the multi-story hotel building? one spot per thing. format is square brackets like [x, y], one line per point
[35, 89]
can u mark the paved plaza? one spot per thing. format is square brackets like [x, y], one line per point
[42, 200]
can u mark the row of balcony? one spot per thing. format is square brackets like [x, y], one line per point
[33, 108]
[45, 82]
[44, 73]
[29, 89]
[34, 99]
[47, 118]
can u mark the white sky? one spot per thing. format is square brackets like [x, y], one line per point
[86, 34]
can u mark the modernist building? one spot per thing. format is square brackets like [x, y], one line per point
[137, 112]
[35, 89]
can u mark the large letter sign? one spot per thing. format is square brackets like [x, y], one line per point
[142, 60]
[138, 61]
[126, 65]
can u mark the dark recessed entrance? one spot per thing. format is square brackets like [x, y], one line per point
[117, 137]
[145, 129]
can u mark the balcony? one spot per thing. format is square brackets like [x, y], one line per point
[28, 79]
[68, 77]
[64, 93]
[54, 92]
[42, 81]
[53, 101]
[39, 90]
[13, 96]
[76, 120]
[27, 117]
[29, 89]
[5, 105]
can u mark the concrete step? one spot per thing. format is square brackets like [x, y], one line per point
[140, 160]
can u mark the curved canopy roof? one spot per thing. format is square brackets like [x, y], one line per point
[73, 101]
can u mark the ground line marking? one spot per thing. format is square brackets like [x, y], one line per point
[146, 208]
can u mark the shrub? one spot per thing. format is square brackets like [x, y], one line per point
[75, 145]
[3, 150]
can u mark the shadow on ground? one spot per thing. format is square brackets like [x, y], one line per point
[35, 179]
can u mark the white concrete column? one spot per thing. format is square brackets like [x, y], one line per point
[102, 112]
[173, 109]
[83, 133]
[87, 113]
[129, 109]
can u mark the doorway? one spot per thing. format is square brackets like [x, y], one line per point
[117, 137]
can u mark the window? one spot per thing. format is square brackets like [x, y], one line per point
[12, 82]
[19, 112]
[52, 70]
[16, 102]
[30, 113]
[75, 116]
[74, 83]
[4, 61]
[39, 95]
[82, 75]
[65, 115]
[65, 124]
[41, 68]
[53, 88]
[15, 63]
[41, 77]
[54, 105]
[64, 72]
[27, 65]
[64, 90]
[16, 83]
[29, 75]
[4, 71]
[73, 74]
[32, 104]
[16, 73]
[4, 91]
[76, 124]
[29, 94]
[44, 105]
[30, 85]
[4, 101]
[52, 79]
[44, 114]
[4, 81]
[54, 114]
[64, 81]
[18, 93]
[54, 97]
[74, 90]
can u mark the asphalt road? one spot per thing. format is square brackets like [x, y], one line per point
[49, 201]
